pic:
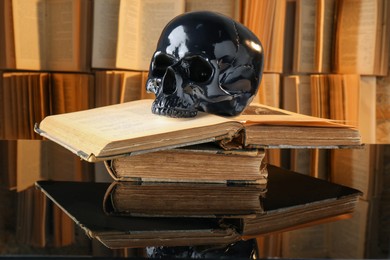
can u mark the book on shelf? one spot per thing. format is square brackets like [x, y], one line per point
[119, 130]
[231, 8]
[118, 86]
[204, 162]
[313, 36]
[362, 37]
[25, 99]
[292, 200]
[45, 35]
[382, 117]
[125, 33]
[347, 98]
[28, 97]
[71, 92]
[269, 90]
[203, 200]
[266, 19]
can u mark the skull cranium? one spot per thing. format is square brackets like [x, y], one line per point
[204, 61]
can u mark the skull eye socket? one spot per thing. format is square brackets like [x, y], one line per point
[198, 69]
[161, 63]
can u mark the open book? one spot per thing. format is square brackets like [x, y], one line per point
[131, 128]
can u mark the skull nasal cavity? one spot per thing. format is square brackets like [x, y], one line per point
[169, 82]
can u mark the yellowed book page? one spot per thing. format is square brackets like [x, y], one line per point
[155, 15]
[63, 20]
[29, 24]
[306, 11]
[226, 7]
[106, 127]
[367, 109]
[105, 33]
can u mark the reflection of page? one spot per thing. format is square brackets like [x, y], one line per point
[105, 33]
[155, 15]
[129, 34]
[28, 18]
[62, 34]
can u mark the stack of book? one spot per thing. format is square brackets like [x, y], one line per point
[208, 170]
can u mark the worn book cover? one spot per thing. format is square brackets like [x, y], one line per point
[196, 163]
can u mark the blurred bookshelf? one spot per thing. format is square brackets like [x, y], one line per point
[327, 58]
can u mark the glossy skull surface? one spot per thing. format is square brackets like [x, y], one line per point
[204, 61]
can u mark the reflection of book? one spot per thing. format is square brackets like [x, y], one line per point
[183, 199]
[292, 200]
[204, 162]
[84, 206]
[117, 130]
[296, 200]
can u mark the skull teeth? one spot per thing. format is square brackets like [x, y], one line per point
[172, 111]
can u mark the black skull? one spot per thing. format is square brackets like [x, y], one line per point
[204, 61]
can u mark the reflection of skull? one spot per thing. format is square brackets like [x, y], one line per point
[204, 61]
